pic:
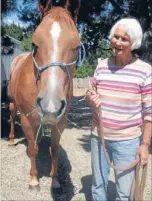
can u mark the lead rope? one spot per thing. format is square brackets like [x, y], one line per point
[137, 189]
[138, 186]
[37, 134]
[104, 149]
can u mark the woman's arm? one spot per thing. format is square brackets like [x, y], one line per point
[146, 142]
[147, 117]
[147, 135]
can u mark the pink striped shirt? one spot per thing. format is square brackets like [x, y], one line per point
[126, 98]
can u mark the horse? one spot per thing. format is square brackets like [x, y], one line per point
[40, 84]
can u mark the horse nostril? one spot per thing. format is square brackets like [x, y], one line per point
[39, 106]
[56, 108]
[63, 106]
[38, 101]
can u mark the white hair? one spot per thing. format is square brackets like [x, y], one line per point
[133, 29]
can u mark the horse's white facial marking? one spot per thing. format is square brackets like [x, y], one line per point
[55, 33]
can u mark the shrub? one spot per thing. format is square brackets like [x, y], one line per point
[84, 71]
[26, 43]
[14, 31]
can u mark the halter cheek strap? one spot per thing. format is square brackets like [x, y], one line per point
[79, 61]
[63, 66]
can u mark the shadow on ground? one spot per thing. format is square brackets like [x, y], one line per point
[80, 113]
[43, 161]
[80, 116]
[84, 141]
[86, 189]
[43, 164]
[66, 191]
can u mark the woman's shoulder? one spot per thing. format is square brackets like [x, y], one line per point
[142, 66]
[143, 63]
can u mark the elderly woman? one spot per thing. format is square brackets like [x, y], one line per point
[122, 86]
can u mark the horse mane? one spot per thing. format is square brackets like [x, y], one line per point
[61, 15]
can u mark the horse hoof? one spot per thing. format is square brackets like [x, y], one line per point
[34, 188]
[11, 144]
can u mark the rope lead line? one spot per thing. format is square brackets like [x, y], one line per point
[138, 186]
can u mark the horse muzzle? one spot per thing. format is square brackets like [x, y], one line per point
[50, 111]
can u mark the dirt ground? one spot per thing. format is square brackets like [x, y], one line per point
[74, 161]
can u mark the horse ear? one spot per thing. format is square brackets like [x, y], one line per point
[73, 7]
[44, 6]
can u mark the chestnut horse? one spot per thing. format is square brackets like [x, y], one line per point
[41, 82]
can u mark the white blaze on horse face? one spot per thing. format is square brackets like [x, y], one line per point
[54, 82]
[55, 33]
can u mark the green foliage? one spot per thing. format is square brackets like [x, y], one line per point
[102, 51]
[26, 43]
[87, 69]
[3, 31]
[14, 30]
[95, 20]
[84, 71]
[7, 5]
[20, 34]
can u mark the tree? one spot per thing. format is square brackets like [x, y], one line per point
[26, 43]
[101, 15]
[13, 30]
[7, 5]
[96, 18]
[19, 33]
[29, 12]
[142, 10]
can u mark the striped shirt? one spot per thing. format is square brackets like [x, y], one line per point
[126, 98]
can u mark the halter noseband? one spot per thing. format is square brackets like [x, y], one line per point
[79, 61]
[63, 66]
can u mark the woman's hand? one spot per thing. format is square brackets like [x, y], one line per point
[143, 154]
[93, 98]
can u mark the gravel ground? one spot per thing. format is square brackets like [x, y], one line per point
[74, 165]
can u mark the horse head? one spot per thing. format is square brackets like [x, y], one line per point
[55, 50]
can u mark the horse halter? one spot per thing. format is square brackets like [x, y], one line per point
[79, 61]
[63, 66]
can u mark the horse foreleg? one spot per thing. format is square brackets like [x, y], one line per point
[54, 151]
[13, 110]
[32, 150]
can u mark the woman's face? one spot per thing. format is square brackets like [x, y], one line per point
[121, 43]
